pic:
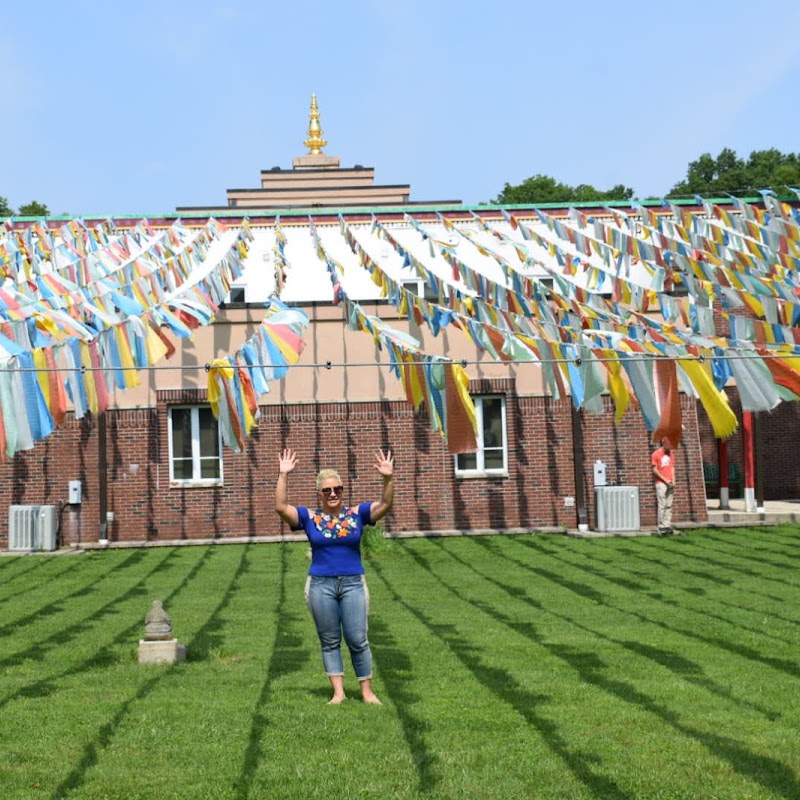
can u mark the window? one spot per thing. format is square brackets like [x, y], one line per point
[413, 285]
[237, 295]
[420, 288]
[194, 445]
[491, 457]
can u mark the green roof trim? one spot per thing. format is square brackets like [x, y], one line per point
[404, 209]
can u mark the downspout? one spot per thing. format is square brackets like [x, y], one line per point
[577, 467]
[102, 475]
[724, 487]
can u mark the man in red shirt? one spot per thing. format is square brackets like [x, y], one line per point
[663, 463]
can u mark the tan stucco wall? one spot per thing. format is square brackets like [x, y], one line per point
[379, 195]
[358, 372]
[295, 180]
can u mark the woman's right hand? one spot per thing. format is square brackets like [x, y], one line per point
[287, 461]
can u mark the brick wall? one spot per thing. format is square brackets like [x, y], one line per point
[427, 495]
[779, 440]
[626, 449]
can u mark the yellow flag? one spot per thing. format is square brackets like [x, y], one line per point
[40, 362]
[462, 384]
[225, 371]
[155, 347]
[616, 386]
[722, 419]
[88, 378]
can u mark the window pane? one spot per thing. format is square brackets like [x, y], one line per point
[493, 459]
[182, 469]
[182, 433]
[209, 438]
[209, 468]
[467, 461]
[492, 422]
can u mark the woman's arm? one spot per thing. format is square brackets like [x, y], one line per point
[385, 465]
[287, 461]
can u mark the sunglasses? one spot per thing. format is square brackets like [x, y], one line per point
[327, 490]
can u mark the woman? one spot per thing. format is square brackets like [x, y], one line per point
[336, 590]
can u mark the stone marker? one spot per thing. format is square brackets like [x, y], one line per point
[159, 646]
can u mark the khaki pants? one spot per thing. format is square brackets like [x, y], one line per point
[664, 495]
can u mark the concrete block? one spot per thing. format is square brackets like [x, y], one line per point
[167, 651]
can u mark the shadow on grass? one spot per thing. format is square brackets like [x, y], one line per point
[776, 536]
[709, 561]
[698, 591]
[209, 636]
[8, 564]
[766, 771]
[506, 687]
[38, 650]
[40, 580]
[395, 672]
[55, 606]
[648, 559]
[595, 572]
[684, 668]
[104, 655]
[288, 656]
[731, 545]
[780, 664]
[202, 637]
[769, 773]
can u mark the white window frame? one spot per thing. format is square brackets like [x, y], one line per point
[197, 455]
[480, 468]
[413, 285]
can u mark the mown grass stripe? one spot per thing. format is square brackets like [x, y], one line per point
[514, 667]
[525, 703]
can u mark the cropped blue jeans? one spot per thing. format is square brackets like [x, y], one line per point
[339, 606]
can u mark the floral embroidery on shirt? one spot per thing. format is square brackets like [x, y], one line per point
[335, 527]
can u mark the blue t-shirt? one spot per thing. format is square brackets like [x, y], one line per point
[335, 541]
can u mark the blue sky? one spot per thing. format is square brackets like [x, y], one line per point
[113, 108]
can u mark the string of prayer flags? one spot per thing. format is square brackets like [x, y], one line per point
[235, 381]
[438, 383]
[76, 325]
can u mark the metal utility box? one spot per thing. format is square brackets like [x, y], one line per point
[75, 492]
[617, 508]
[599, 473]
[32, 528]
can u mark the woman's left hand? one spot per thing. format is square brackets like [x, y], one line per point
[384, 463]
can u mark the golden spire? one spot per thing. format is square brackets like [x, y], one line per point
[315, 142]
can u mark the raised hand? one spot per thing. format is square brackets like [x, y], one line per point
[384, 463]
[287, 461]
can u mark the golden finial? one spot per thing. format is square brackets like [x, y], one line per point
[315, 142]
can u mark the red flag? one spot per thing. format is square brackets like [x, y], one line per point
[666, 386]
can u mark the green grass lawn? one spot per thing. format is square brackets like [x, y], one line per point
[509, 667]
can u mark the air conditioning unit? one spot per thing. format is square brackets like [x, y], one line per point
[617, 508]
[32, 528]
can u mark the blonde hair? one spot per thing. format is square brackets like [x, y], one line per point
[324, 474]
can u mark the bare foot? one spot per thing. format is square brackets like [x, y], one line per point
[336, 700]
[372, 699]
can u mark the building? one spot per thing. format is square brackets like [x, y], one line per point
[316, 181]
[152, 467]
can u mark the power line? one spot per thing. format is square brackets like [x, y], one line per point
[208, 367]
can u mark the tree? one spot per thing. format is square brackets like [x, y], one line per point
[5, 208]
[33, 209]
[544, 189]
[729, 174]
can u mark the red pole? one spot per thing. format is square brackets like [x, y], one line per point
[749, 455]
